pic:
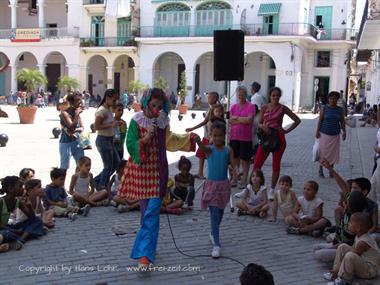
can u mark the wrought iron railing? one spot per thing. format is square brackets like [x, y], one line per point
[282, 29]
[107, 41]
[90, 2]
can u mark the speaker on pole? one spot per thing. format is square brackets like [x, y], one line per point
[229, 55]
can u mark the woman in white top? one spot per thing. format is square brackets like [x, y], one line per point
[105, 125]
[255, 200]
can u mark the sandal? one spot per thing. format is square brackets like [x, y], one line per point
[18, 245]
[4, 247]
[200, 177]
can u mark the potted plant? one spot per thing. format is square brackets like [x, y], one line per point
[182, 93]
[32, 78]
[66, 84]
[135, 87]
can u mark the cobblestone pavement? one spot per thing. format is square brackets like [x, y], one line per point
[88, 252]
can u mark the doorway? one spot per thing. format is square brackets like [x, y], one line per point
[116, 82]
[53, 72]
[322, 84]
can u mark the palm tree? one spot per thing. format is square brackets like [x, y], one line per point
[68, 84]
[162, 83]
[32, 78]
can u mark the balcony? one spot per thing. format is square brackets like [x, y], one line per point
[369, 33]
[259, 30]
[108, 42]
[45, 34]
[94, 6]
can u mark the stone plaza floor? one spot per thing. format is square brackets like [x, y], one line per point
[87, 251]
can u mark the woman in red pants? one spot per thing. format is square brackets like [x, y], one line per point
[271, 116]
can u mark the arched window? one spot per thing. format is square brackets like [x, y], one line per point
[212, 15]
[172, 20]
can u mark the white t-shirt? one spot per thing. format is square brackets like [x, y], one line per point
[258, 99]
[107, 115]
[255, 198]
[308, 208]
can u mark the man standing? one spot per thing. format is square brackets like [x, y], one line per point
[258, 99]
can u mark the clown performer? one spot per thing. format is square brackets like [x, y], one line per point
[146, 173]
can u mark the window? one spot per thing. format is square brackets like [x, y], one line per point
[323, 59]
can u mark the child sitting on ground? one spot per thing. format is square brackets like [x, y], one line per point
[310, 219]
[326, 252]
[123, 204]
[36, 194]
[184, 184]
[26, 174]
[169, 205]
[362, 259]
[360, 184]
[82, 187]
[24, 224]
[56, 197]
[255, 199]
[285, 200]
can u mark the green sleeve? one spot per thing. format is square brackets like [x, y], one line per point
[133, 142]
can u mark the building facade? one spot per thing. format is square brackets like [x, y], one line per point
[301, 46]
[368, 46]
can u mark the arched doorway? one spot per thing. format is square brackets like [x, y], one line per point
[123, 73]
[25, 60]
[172, 20]
[4, 74]
[212, 15]
[260, 67]
[169, 66]
[204, 77]
[55, 67]
[97, 75]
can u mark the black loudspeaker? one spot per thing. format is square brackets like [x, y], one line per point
[229, 55]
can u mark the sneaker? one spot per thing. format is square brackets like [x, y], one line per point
[72, 216]
[339, 281]
[240, 194]
[327, 276]
[215, 252]
[122, 208]
[143, 263]
[271, 194]
[85, 210]
[211, 237]
[293, 230]
[113, 203]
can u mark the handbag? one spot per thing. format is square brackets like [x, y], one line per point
[271, 142]
[315, 157]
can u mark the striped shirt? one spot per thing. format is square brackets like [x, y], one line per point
[331, 120]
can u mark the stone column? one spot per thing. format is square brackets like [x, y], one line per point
[83, 77]
[41, 13]
[13, 78]
[13, 5]
[136, 72]
[42, 69]
[109, 76]
[190, 75]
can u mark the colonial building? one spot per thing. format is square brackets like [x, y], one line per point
[368, 45]
[301, 46]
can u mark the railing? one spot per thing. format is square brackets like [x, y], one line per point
[91, 2]
[108, 42]
[46, 33]
[283, 29]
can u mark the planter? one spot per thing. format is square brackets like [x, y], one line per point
[27, 114]
[183, 109]
[136, 106]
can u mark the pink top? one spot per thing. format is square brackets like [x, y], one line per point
[242, 132]
[273, 118]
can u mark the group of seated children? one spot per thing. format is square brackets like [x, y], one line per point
[350, 242]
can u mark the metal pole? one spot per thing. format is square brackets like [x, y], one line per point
[232, 208]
